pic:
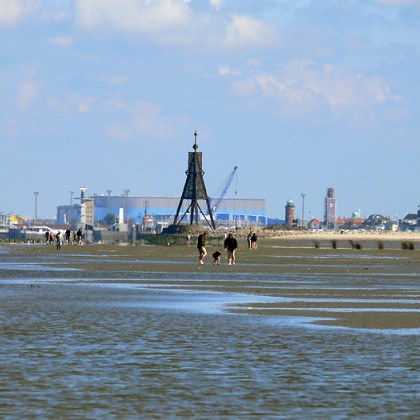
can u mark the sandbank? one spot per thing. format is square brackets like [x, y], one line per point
[376, 286]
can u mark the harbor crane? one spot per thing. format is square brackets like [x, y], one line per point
[219, 199]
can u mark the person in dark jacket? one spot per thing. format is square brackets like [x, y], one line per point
[231, 245]
[201, 245]
[254, 241]
[79, 236]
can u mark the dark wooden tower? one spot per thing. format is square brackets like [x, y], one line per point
[195, 190]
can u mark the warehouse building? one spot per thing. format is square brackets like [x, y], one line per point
[230, 212]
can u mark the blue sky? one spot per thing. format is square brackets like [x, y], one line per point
[300, 95]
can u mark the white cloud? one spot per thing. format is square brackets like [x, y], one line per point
[150, 122]
[226, 71]
[11, 12]
[27, 94]
[399, 2]
[245, 87]
[14, 11]
[176, 22]
[216, 4]
[83, 104]
[254, 62]
[131, 16]
[245, 31]
[143, 119]
[303, 86]
[62, 41]
[116, 103]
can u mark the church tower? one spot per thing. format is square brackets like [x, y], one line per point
[330, 209]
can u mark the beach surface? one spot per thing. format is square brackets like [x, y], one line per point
[301, 327]
[358, 280]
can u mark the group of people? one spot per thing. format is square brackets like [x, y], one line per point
[50, 238]
[230, 245]
[252, 240]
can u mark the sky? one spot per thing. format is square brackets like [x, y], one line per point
[301, 95]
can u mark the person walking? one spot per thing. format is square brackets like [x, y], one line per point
[248, 238]
[59, 240]
[201, 245]
[68, 235]
[231, 245]
[254, 241]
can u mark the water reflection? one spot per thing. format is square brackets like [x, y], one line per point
[83, 351]
[129, 345]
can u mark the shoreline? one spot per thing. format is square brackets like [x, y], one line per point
[267, 233]
[340, 234]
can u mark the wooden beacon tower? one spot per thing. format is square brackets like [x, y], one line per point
[195, 190]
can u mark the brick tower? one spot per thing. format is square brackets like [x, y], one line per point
[289, 212]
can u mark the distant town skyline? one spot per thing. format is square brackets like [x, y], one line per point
[301, 95]
[307, 215]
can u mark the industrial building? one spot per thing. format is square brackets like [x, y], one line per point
[92, 210]
[230, 211]
[78, 215]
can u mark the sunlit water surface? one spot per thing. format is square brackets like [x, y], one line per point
[75, 349]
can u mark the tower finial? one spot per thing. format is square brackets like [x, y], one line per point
[195, 147]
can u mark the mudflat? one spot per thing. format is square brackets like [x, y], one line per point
[357, 281]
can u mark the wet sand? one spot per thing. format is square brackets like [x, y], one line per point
[375, 286]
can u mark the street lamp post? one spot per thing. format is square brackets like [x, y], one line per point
[36, 204]
[303, 209]
[126, 204]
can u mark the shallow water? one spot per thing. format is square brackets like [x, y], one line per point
[86, 346]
